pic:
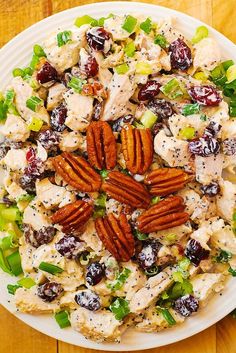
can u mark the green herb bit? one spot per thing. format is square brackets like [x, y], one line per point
[230, 89]
[232, 272]
[63, 38]
[77, 84]
[35, 124]
[120, 280]
[18, 72]
[10, 95]
[226, 64]
[129, 49]
[152, 271]
[62, 318]
[155, 200]
[120, 308]
[25, 197]
[172, 89]
[203, 117]
[161, 41]
[122, 69]
[38, 51]
[26, 282]
[129, 23]
[101, 200]
[140, 236]
[146, 26]
[33, 103]
[99, 212]
[11, 288]
[34, 62]
[180, 288]
[223, 257]
[168, 317]
[50, 268]
[104, 173]
[201, 32]
[148, 119]
[190, 109]
[14, 261]
[80, 21]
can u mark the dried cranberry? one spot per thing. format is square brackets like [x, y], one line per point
[161, 108]
[195, 252]
[229, 146]
[68, 246]
[205, 95]
[38, 237]
[119, 123]
[7, 201]
[88, 300]
[157, 127]
[149, 90]
[97, 110]
[99, 39]
[31, 155]
[95, 273]
[58, 118]
[148, 255]
[49, 139]
[27, 183]
[89, 67]
[204, 146]
[49, 291]
[47, 73]
[180, 55]
[186, 305]
[211, 189]
[212, 129]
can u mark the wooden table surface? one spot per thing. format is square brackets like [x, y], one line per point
[15, 16]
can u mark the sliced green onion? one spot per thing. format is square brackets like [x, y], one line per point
[8, 242]
[155, 200]
[129, 49]
[26, 282]
[226, 64]
[18, 72]
[3, 111]
[168, 317]
[231, 73]
[80, 21]
[84, 258]
[223, 257]
[120, 308]
[102, 20]
[25, 197]
[62, 318]
[101, 200]
[230, 88]
[28, 71]
[201, 76]
[232, 271]
[201, 32]
[11, 288]
[161, 41]
[77, 84]
[120, 280]
[34, 62]
[143, 68]
[164, 295]
[104, 173]
[172, 89]
[152, 271]
[10, 95]
[11, 214]
[203, 117]
[33, 103]
[146, 26]
[122, 69]
[38, 51]
[180, 289]
[4, 264]
[129, 23]
[35, 124]
[63, 38]
[148, 119]
[190, 109]
[50, 268]
[14, 261]
[234, 216]
[139, 235]
[187, 133]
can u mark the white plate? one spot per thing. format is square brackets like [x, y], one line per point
[17, 53]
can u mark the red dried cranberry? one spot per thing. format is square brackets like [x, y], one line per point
[27, 183]
[229, 146]
[47, 73]
[195, 252]
[211, 189]
[186, 305]
[204, 146]
[58, 118]
[90, 67]
[97, 110]
[88, 300]
[157, 127]
[31, 155]
[99, 39]
[38, 237]
[161, 108]
[205, 95]
[68, 246]
[119, 123]
[49, 139]
[95, 273]
[212, 129]
[49, 291]
[148, 255]
[180, 55]
[149, 90]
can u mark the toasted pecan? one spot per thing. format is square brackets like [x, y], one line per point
[77, 172]
[125, 189]
[137, 148]
[165, 214]
[73, 217]
[101, 145]
[116, 235]
[165, 181]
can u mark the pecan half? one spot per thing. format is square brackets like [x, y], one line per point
[77, 172]
[125, 189]
[116, 235]
[137, 148]
[101, 145]
[73, 217]
[165, 214]
[165, 181]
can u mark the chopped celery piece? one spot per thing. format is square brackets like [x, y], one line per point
[161, 41]
[155, 200]
[122, 69]
[28, 71]
[180, 288]
[201, 32]
[129, 23]
[129, 49]
[143, 68]
[152, 271]
[168, 317]
[184, 264]
[8, 242]
[148, 119]
[120, 280]
[14, 261]
[190, 109]
[77, 84]
[38, 51]
[172, 89]
[80, 21]
[101, 200]
[231, 73]
[218, 75]
[4, 264]
[50, 268]
[140, 236]
[120, 308]
[146, 26]
[33, 103]
[63, 38]
[201, 76]
[35, 124]
[11, 288]
[26, 282]
[18, 72]
[62, 318]
[177, 276]
[11, 214]
[187, 133]
[34, 62]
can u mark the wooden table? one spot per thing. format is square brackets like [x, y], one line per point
[16, 15]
